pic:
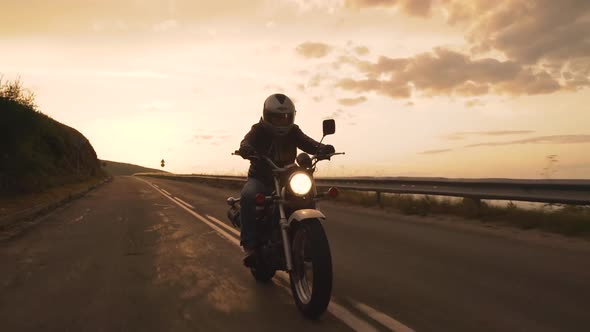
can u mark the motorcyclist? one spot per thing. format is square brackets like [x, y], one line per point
[277, 137]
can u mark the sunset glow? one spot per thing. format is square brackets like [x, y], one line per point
[418, 88]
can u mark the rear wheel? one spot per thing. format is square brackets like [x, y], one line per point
[261, 270]
[262, 275]
[311, 278]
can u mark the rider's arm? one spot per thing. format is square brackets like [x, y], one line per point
[307, 143]
[247, 144]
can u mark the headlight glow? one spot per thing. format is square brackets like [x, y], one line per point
[300, 183]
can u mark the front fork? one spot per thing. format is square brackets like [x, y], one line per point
[284, 228]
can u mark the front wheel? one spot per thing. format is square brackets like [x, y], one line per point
[311, 278]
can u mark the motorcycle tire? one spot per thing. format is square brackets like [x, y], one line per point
[310, 247]
[262, 272]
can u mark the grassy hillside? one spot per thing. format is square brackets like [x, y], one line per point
[116, 168]
[37, 152]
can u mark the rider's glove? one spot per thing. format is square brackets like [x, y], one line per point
[326, 150]
[247, 151]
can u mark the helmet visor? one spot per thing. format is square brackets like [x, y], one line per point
[281, 119]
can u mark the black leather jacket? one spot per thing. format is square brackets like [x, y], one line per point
[282, 150]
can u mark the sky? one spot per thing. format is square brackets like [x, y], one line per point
[450, 88]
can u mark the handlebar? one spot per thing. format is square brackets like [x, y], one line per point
[329, 155]
[277, 168]
[257, 157]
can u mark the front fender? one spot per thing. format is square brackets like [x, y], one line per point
[303, 214]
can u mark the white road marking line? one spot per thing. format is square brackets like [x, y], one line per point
[198, 216]
[338, 311]
[228, 236]
[183, 202]
[350, 319]
[226, 226]
[155, 185]
[345, 315]
[167, 193]
[382, 318]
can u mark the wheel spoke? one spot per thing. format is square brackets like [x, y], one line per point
[303, 273]
[311, 277]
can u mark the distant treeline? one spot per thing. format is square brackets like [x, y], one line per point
[37, 152]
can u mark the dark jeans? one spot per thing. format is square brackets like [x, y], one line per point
[248, 210]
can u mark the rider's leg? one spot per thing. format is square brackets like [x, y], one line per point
[248, 212]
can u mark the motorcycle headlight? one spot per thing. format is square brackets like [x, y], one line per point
[300, 183]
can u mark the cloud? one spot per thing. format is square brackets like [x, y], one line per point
[555, 139]
[313, 50]
[315, 80]
[302, 72]
[412, 7]
[527, 31]
[524, 30]
[470, 89]
[435, 151]
[538, 47]
[210, 139]
[544, 35]
[340, 114]
[352, 101]
[203, 137]
[446, 72]
[317, 99]
[49, 17]
[473, 103]
[460, 135]
[388, 88]
[361, 50]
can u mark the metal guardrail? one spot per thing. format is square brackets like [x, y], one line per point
[575, 192]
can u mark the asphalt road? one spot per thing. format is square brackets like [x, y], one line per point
[131, 256]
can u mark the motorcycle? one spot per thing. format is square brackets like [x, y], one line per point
[290, 233]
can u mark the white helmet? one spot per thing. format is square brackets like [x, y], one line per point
[278, 114]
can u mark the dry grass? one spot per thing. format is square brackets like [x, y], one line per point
[563, 219]
[11, 205]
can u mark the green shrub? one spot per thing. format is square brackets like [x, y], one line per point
[37, 152]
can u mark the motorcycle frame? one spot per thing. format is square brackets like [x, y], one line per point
[284, 224]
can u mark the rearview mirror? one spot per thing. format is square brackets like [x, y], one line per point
[329, 127]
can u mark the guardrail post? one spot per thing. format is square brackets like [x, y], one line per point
[473, 206]
[379, 199]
